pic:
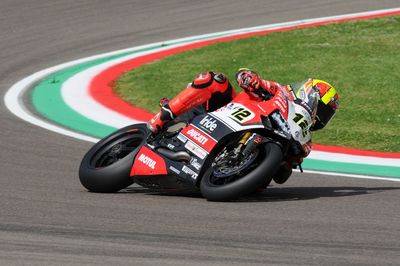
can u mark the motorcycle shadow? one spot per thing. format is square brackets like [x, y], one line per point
[278, 194]
[275, 193]
[189, 193]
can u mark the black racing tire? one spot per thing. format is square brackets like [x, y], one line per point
[103, 171]
[269, 163]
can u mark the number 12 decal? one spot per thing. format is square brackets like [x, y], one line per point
[241, 114]
[302, 122]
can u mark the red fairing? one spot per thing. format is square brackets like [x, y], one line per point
[148, 163]
[280, 102]
[260, 107]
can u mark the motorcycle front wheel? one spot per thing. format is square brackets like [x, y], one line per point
[229, 183]
[106, 166]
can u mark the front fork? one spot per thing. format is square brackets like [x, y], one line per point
[247, 144]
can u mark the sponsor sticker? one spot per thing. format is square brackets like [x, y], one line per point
[199, 137]
[278, 118]
[281, 102]
[173, 169]
[182, 138]
[196, 150]
[189, 171]
[170, 146]
[147, 161]
[195, 163]
[196, 135]
[208, 123]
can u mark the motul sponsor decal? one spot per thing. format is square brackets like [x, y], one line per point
[148, 162]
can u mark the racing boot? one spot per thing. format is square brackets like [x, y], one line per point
[183, 102]
[163, 116]
[197, 93]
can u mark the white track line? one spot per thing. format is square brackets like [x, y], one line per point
[349, 175]
[358, 159]
[75, 92]
[14, 102]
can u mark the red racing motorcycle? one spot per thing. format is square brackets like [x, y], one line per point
[226, 154]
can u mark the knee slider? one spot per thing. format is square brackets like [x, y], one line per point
[203, 80]
[219, 77]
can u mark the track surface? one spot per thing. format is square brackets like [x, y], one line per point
[46, 217]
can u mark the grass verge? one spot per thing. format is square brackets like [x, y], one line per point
[360, 58]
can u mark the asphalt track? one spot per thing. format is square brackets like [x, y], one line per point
[47, 218]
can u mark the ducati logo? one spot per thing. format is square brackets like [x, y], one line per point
[197, 136]
[147, 161]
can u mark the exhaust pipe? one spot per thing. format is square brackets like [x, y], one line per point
[175, 156]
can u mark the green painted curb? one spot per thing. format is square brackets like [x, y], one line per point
[47, 99]
[352, 168]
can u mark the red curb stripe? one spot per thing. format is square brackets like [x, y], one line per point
[353, 151]
[101, 90]
[101, 85]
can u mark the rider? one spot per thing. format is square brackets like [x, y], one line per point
[212, 90]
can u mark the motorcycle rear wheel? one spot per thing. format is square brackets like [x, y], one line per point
[265, 165]
[106, 166]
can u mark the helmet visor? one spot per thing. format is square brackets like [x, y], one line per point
[324, 115]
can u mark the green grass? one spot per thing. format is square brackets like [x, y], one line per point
[360, 58]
